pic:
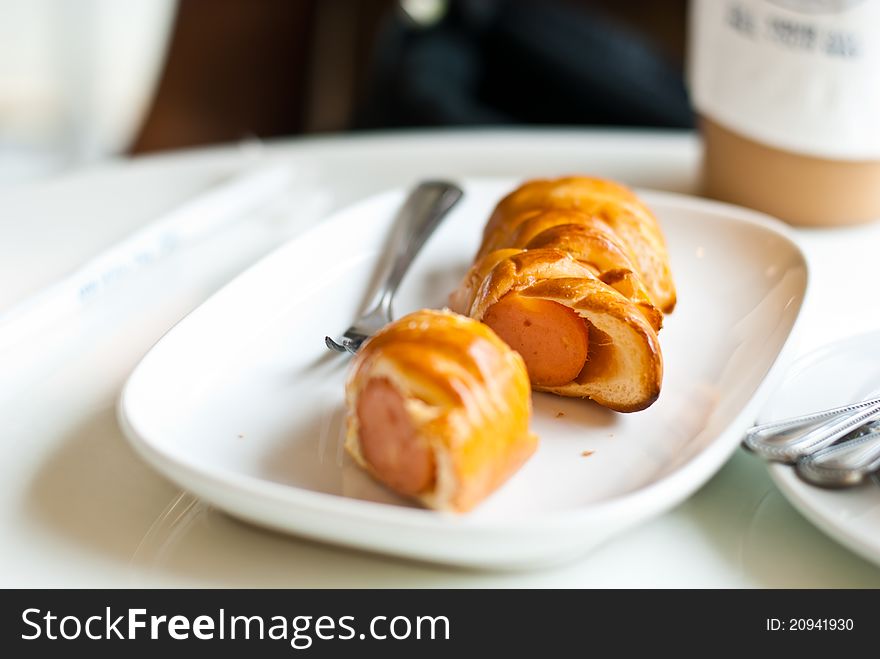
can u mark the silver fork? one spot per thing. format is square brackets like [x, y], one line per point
[791, 439]
[420, 215]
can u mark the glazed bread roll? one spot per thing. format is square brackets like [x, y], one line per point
[616, 205]
[586, 238]
[438, 410]
[564, 287]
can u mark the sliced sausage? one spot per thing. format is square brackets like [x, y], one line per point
[390, 443]
[552, 339]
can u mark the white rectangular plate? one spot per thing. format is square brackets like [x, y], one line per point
[242, 404]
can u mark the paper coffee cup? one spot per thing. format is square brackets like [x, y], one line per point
[788, 92]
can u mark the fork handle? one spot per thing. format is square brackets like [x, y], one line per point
[417, 219]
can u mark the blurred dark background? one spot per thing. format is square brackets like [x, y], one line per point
[268, 68]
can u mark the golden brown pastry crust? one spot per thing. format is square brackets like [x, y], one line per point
[467, 393]
[617, 206]
[592, 246]
[586, 238]
[624, 370]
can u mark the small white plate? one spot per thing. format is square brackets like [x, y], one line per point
[242, 404]
[840, 373]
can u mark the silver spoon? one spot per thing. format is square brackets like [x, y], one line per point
[421, 214]
[845, 464]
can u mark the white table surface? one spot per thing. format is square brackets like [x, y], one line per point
[78, 508]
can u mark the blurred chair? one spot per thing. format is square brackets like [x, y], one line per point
[239, 69]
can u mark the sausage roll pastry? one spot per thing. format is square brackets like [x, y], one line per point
[563, 287]
[439, 409]
[632, 222]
